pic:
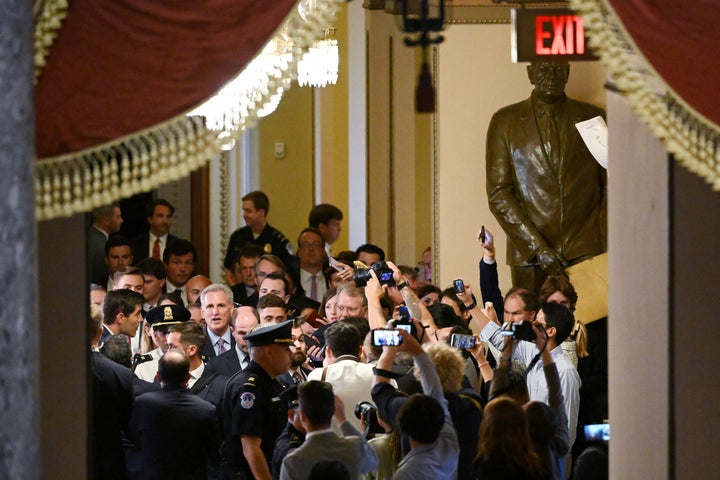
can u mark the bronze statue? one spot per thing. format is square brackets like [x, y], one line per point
[543, 185]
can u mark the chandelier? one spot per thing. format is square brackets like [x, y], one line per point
[319, 66]
[293, 52]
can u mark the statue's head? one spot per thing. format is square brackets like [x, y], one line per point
[549, 78]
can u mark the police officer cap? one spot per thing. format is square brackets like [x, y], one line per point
[290, 396]
[167, 315]
[280, 334]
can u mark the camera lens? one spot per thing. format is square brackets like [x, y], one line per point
[365, 408]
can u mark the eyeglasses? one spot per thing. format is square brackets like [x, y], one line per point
[351, 310]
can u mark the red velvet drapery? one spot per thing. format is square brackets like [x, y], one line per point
[120, 66]
[680, 40]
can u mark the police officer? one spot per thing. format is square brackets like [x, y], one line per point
[255, 207]
[159, 319]
[253, 416]
[294, 433]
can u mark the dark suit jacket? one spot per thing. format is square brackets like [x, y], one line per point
[141, 246]
[226, 364]
[490, 287]
[287, 381]
[112, 404]
[96, 257]
[239, 293]
[106, 333]
[177, 434]
[540, 204]
[141, 386]
[208, 350]
[210, 387]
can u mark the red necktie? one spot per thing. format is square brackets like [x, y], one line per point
[156, 249]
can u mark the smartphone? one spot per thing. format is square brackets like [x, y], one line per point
[312, 320]
[459, 286]
[384, 337]
[597, 433]
[462, 341]
[482, 234]
[310, 341]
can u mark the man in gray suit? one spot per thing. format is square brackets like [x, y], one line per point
[318, 404]
[544, 187]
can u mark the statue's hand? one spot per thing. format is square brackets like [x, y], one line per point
[551, 261]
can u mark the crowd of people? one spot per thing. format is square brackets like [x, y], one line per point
[276, 372]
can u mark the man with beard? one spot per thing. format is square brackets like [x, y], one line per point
[299, 364]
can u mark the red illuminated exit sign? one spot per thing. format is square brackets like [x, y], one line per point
[548, 33]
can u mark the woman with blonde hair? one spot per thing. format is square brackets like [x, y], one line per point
[465, 404]
[505, 451]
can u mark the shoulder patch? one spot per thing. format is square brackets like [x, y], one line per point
[247, 400]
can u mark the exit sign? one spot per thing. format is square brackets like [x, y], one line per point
[547, 34]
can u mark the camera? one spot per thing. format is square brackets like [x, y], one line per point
[372, 426]
[459, 286]
[405, 321]
[520, 331]
[383, 272]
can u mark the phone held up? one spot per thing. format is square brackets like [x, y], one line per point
[310, 341]
[384, 337]
[459, 285]
[462, 341]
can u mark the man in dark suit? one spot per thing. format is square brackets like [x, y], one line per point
[544, 187]
[175, 431]
[244, 319]
[106, 221]
[206, 384]
[122, 313]
[216, 307]
[152, 244]
[299, 365]
[112, 403]
[242, 274]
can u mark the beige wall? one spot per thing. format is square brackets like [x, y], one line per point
[288, 181]
[476, 78]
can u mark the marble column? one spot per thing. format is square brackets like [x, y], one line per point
[19, 392]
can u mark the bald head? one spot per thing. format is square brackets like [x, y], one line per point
[194, 286]
[244, 319]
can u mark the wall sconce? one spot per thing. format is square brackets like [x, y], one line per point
[418, 21]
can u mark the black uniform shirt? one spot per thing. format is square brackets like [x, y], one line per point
[270, 239]
[251, 407]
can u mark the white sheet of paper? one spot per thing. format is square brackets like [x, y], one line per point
[594, 133]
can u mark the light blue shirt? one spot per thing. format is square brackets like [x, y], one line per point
[536, 382]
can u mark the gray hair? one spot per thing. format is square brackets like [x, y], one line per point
[216, 287]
